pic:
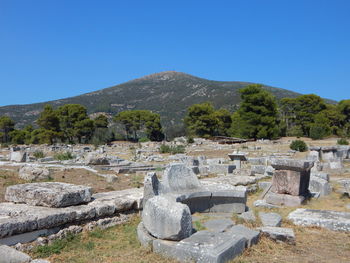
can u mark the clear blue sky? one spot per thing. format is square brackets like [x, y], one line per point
[51, 49]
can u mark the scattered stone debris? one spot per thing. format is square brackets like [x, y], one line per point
[279, 234]
[270, 219]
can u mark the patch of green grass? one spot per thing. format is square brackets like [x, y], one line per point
[64, 156]
[173, 149]
[136, 181]
[39, 154]
[70, 241]
[198, 226]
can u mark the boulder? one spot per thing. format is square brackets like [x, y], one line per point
[270, 219]
[50, 194]
[248, 216]
[279, 234]
[167, 219]
[31, 173]
[11, 255]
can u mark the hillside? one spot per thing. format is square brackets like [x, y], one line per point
[167, 93]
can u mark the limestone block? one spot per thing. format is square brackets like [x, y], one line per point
[167, 219]
[11, 255]
[290, 182]
[270, 219]
[50, 194]
[333, 220]
[279, 234]
[30, 173]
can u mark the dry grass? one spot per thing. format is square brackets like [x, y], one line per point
[116, 244]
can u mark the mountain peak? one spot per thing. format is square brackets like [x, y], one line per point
[164, 75]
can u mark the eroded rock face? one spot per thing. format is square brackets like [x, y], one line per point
[167, 219]
[30, 173]
[49, 194]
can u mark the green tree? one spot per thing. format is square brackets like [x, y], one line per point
[74, 122]
[6, 126]
[224, 122]
[343, 108]
[306, 108]
[200, 120]
[101, 121]
[257, 116]
[141, 120]
[48, 119]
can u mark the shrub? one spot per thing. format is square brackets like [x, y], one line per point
[144, 139]
[318, 132]
[190, 140]
[343, 141]
[39, 154]
[298, 145]
[63, 156]
[172, 149]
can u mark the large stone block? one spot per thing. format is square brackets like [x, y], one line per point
[203, 247]
[18, 156]
[270, 219]
[319, 185]
[290, 182]
[178, 177]
[292, 164]
[283, 199]
[11, 255]
[167, 219]
[151, 186]
[30, 173]
[50, 194]
[333, 220]
[144, 237]
[221, 168]
[250, 235]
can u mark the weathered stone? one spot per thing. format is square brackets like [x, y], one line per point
[178, 177]
[217, 198]
[292, 164]
[30, 173]
[39, 261]
[346, 186]
[237, 158]
[16, 219]
[167, 219]
[270, 219]
[96, 159]
[250, 235]
[279, 234]
[18, 156]
[221, 168]
[257, 169]
[11, 255]
[322, 175]
[263, 203]
[314, 156]
[333, 220]
[248, 216]
[219, 225]
[319, 185]
[144, 237]
[264, 185]
[283, 199]
[203, 246]
[290, 182]
[51, 194]
[151, 186]
[257, 161]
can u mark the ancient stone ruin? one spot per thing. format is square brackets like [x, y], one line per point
[167, 227]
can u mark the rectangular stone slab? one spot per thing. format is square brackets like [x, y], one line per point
[22, 218]
[283, 199]
[333, 220]
[292, 164]
[50, 194]
[203, 246]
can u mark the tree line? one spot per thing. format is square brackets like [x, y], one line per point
[259, 116]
